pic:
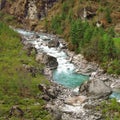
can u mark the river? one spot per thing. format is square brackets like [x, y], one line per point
[65, 72]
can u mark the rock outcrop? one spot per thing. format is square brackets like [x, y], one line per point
[95, 88]
[32, 12]
[76, 100]
[19, 9]
[53, 43]
[48, 60]
[49, 92]
[27, 9]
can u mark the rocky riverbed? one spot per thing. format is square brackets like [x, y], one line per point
[78, 103]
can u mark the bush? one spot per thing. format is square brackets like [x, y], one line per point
[56, 24]
[114, 67]
[110, 110]
[108, 15]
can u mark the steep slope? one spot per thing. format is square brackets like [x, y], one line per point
[89, 28]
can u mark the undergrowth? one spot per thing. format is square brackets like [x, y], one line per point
[17, 86]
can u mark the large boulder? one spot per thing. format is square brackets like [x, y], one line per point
[95, 87]
[48, 60]
[53, 43]
[76, 100]
[30, 9]
[49, 92]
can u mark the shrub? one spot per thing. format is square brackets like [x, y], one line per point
[56, 24]
[110, 110]
[108, 15]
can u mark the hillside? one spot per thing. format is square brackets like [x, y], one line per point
[18, 86]
[89, 27]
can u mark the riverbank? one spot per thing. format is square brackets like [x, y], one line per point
[19, 77]
[74, 105]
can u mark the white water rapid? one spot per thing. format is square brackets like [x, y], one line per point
[64, 74]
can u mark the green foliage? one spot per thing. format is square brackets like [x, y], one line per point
[80, 1]
[88, 34]
[77, 33]
[96, 44]
[117, 44]
[17, 85]
[111, 32]
[65, 7]
[110, 49]
[114, 67]
[110, 110]
[56, 24]
[58, 21]
[108, 15]
[70, 16]
[9, 19]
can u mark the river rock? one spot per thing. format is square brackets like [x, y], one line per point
[76, 100]
[53, 43]
[16, 111]
[33, 70]
[82, 65]
[39, 57]
[45, 97]
[48, 72]
[95, 87]
[51, 62]
[29, 48]
[49, 92]
[48, 60]
[42, 87]
[75, 91]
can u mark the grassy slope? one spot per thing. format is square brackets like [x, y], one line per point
[17, 86]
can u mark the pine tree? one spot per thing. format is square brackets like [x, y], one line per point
[110, 49]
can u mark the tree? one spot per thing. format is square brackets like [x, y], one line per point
[110, 49]
[88, 34]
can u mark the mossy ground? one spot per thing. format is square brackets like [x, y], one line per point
[17, 85]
